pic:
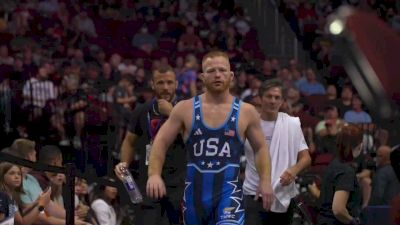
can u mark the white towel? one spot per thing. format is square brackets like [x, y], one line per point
[284, 149]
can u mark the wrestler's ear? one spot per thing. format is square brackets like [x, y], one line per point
[201, 76]
[232, 75]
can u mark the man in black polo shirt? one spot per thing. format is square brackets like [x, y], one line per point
[146, 122]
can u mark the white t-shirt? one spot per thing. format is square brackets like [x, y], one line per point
[105, 213]
[252, 178]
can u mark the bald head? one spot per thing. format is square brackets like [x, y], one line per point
[383, 155]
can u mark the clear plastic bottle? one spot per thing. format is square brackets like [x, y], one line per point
[131, 187]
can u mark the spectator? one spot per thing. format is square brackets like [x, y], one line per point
[140, 79]
[191, 14]
[124, 103]
[127, 10]
[187, 79]
[83, 24]
[179, 65]
[326, 131]
[240, 84]
[385, 185]
[81, 190]
[267, 70]
[5, 58]
[240, 22]
[343, 104]
[105, 204]
[25, 149]
[340, 195]
[363, 173]
[294, 68]
[106, 77]
[48, 6]
[311, 86]
[275, 65]
[357, 114]
[76, 102]
[63, 15]
[56, 183]
[286, 78]
[11, 185]
[331, 92]
[143, 40]
[50, 155]
[212, 41]
[307, 22]
[255, 82]
[82, 202]
[294, 97]
[127, 67]
[190, 40]
[38, 90]
[331, 118]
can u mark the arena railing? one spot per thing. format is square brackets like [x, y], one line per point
[70, 172]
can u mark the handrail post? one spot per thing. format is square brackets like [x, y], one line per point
[70, 194]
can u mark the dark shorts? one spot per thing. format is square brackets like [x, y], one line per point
[256, 215]
[164, 212]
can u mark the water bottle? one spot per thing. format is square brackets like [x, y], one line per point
[131, 187]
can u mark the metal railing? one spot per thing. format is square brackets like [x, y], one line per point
[70, 174]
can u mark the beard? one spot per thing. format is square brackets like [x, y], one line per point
[212, 87]
[166, 96]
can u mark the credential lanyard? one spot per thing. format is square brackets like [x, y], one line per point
[154, 130]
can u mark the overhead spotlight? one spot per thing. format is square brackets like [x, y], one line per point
[336, 27]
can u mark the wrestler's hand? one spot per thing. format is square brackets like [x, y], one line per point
[287, 178]
[155, 187]
[164, 106]
[265, 191]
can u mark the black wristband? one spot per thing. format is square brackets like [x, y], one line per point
[355, 221]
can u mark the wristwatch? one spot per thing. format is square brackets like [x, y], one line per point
[41, 209]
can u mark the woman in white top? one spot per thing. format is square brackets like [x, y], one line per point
[104, 204]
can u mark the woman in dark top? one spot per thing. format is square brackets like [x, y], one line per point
[340, 195]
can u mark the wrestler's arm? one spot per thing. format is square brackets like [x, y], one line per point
[256, 139]
[164, 138]
[262, 158]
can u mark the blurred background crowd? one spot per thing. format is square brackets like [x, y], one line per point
[72, 72]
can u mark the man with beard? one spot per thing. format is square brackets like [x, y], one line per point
[214, 126]
[146, 121]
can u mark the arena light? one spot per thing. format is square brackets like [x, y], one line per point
[336, 27]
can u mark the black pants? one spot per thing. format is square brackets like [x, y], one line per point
[167, 211]
[255, 214]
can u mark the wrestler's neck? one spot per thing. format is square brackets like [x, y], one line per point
[217, 97]
[269, 116]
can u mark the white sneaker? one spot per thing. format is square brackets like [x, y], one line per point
[64, 142]
[77, 142]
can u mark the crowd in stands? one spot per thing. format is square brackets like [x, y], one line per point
[71, 72]
[308, 18]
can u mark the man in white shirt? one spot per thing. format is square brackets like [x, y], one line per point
[289, 156]
[38, 90]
